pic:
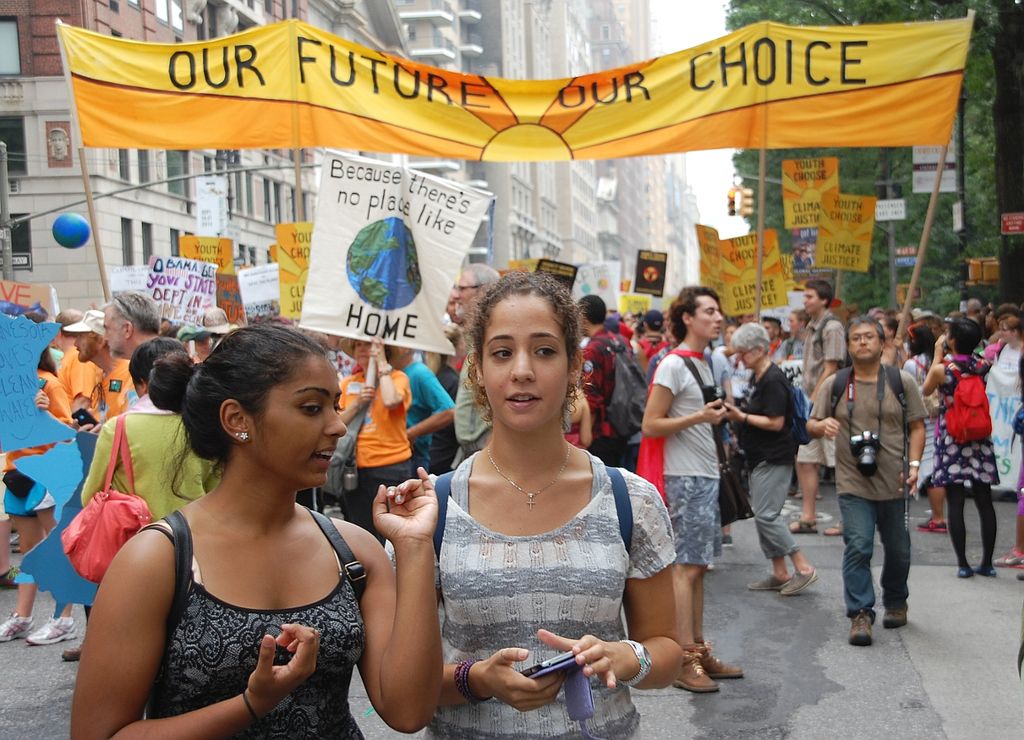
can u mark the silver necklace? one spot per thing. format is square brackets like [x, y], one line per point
[530, 496]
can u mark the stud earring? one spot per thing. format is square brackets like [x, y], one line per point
[244, 436]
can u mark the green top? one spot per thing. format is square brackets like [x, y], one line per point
[165, 477]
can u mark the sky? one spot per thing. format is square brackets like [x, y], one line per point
[681, 24]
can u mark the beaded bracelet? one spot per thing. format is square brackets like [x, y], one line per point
[462, 682]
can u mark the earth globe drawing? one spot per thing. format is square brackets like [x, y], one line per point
[383, 266]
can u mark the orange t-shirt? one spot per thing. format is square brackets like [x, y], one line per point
[60, 409]
[78, 378]
[382, 439]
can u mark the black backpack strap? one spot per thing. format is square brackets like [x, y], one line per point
[895, 379]
[181, 536]
[839, 382]
[623, 506]
[443, 489]
[354, 571]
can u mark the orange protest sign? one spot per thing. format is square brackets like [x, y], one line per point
[710, 258]
[804, 181]
[738, 270]
[308, 88]
[844, 232]
[213, 249]
[292, 254]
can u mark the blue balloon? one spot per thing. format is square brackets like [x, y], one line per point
[71, 230]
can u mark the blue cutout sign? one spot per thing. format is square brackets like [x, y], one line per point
[23, 425]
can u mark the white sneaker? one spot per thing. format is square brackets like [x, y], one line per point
[15, 628]
[54, 631]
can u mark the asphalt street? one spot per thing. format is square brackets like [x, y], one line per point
[950, 673]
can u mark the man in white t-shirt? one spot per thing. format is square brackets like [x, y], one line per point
[681, 409]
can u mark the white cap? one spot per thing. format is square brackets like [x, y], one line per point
[92, 321]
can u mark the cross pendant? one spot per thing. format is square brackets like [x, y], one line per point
[529, 500]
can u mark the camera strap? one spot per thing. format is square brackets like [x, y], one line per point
[851, 397]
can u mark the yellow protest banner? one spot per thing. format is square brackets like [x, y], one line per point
[290, 84]
[804, 181]
[710, 257]
[525, 265]
[635, 303]
[292, 255]
[738, 270]
[845, 231]
[209, 249]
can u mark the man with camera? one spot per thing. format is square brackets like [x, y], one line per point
[685, 407]
[876, 415]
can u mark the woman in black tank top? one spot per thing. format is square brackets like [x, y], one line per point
[259, 637]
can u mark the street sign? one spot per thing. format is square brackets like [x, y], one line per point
[958, 216]
[1011, 223]
[906, 256]
[926, 161]
[891, 210]
[20, 260]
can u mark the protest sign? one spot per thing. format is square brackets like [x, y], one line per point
[229, 297]
[650, 273]
[634, 303]
[561, 271]
[292, 254]
[260, 289]
[738, 271]
[845, 231]
[209, 249]
[291, 84]
[1004, 398]
[211, 207]
[128, 277]
[710, 258]
[600, 279]
[386, 244]
[23, 425]
[527, 265]
[804, 182]
[183, 288]
[18, 298]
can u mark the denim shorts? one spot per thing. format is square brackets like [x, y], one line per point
[696, 523]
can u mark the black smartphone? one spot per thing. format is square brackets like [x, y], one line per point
[83, 417]
[558, 663]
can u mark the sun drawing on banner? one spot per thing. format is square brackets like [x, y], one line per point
[383, 266]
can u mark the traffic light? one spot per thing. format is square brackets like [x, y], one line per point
[746, 206]
[732, 201]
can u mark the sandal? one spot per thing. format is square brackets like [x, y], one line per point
[834, 531]
[802, 527]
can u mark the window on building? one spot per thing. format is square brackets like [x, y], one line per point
[127, 245]
[177, 22]
[177, 165]
[268, 5]
[124, 165]
[175, 236]
[115, 7]
[410, 31]
[248, 193]
[606, 32]
[277, 202]
[12, 133]
[267, 206]
[292, 199]
[162, 13]
[134, 3]
[10, 51]
[207, 164]
[252, 255]
[144, 172]
[147, 242]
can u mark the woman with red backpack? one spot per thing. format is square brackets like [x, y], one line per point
[963, 439]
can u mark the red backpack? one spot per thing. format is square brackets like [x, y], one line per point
[969, 418]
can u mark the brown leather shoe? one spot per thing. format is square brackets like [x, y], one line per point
[895, 618]
[860, 629]
[72, 655]
[692, 676]
[714, 667]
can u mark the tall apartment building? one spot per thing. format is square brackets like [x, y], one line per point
[35, 122]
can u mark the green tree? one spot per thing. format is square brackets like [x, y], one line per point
[986, 116]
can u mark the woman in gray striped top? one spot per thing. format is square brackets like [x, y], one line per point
[533, 562]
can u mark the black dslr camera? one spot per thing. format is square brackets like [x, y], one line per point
[865, 448]
[712, 393]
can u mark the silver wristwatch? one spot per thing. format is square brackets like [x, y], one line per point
[644, 657]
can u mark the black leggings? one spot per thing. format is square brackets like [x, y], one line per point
[955, 495]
